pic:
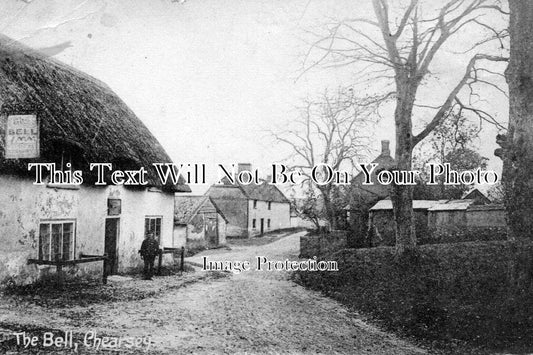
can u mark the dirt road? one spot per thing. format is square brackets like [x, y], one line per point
[252, 312]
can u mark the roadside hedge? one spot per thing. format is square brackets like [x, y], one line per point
[477, 294]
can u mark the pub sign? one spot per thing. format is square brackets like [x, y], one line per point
[22, 137]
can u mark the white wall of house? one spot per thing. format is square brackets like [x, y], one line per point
[23, 206]
[221, 230]
[180, 235]
[136, 206]
[278, 214]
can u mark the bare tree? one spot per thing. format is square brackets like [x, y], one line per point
[454, 133]
[330, 133]
[399, 47]
[517, 145]
[453, 141]
[309, 207]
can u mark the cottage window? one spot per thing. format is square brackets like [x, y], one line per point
[255, 203]
[253, 223]
[269, 205]
[67, 155]
[153, 224]
[268, 223]
[56, 240]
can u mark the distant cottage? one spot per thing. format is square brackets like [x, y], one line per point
[251, 210]
[198, 222]
[80, 121]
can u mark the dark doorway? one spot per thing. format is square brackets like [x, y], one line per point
[262, 225]
[211, 230]
[110, 248]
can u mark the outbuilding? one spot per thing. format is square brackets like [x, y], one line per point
[381, 221]
[442, 221]
[198, 222]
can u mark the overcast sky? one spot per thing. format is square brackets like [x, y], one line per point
[207, 77]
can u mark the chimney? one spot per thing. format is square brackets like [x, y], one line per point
[385, 151]
[244, 167]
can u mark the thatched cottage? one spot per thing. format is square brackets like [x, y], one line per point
[79, 121]
[251, 210]
[198, 222]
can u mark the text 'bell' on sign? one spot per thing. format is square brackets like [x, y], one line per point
[22, 137]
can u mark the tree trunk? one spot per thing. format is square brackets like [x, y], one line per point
[316, 222]
[328, 206]
[518, 151]
[402, 195]
[402, 201]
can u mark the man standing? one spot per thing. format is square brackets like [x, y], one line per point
[149, 250]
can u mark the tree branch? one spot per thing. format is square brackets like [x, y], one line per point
[453, 95]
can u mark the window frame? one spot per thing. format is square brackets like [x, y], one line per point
[268, 223]
[70, 154]
[147, 226]
[255, 204]
[269, 205]
[254, 223]
[50, 253]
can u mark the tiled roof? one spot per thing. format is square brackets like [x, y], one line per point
[452, 205]
[264, 192]
[477, 195]
[186, 206]
[417, 204]
[490, 207]
[440, 205]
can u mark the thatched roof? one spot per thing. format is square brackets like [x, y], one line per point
[81, 119]
[226, 192]
[186, 207]
[262, 192]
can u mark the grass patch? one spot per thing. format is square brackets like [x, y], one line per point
[72, 291]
